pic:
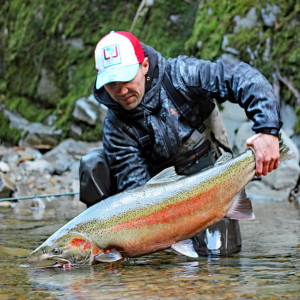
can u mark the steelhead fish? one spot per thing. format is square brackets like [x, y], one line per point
[164, 213]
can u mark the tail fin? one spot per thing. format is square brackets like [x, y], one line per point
[285, 152]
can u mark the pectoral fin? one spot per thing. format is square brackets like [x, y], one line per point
[185, 247]
[111, 256]
[241, 208]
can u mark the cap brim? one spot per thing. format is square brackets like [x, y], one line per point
[121, 74]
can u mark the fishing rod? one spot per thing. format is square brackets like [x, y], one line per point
[38, 196]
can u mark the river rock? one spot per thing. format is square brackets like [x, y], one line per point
[89, 110]
[33, 133]
[50, 120]
[60, 159]
[39, 134]
[269, 14]
[10, 157]
[249, 21]
[75, 131]
[39, 165]
[4, 167]
[6, 186]
[280, 182]
[15, 119]
[233, 116]
[46, 87]
[227, 48]
[29, 154]
[296, 140]
[63, 156]
[289, 118]
[74, 170]
[228, 58]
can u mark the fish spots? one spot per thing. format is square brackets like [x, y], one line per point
[80, 243]
[186, 208]
[83, 245]
[95, 251]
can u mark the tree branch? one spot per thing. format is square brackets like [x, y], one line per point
[289, 84]
[138, 12]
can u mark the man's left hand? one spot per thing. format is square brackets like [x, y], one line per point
[266, 149]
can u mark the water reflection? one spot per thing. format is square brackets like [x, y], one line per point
[267, 267]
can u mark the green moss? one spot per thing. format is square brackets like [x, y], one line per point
[297, 125]
[167, 25]
[9, 136]
[28, 109]
[40, 38]
[93, 133]
[37, 36]
[215, 19]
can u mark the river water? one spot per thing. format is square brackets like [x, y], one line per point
[268, 267]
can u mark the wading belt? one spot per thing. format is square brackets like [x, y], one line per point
[195, 160]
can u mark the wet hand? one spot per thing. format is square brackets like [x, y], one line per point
[266, 149]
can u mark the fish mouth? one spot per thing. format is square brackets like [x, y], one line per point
[75, 250]
[61, 262]
[48, 261]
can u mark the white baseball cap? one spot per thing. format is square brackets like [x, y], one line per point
[117, 57]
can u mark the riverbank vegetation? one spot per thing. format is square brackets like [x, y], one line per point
[47, 46]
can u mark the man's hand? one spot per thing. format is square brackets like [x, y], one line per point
[266, 149]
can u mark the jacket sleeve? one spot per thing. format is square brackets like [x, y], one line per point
[124, 156]
[238, 83]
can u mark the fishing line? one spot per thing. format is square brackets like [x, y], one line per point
[38, 196]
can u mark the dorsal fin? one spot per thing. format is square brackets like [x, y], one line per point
[225, 157]
[241, 208]
[166, 175]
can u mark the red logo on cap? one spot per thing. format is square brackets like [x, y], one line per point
[111, 53]
[111, 56]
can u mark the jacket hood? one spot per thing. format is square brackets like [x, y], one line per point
[153, 83]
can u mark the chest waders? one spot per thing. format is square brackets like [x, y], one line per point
[206, 143]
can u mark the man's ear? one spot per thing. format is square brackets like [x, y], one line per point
[145, 65]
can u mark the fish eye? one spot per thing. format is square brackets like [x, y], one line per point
[56, 251]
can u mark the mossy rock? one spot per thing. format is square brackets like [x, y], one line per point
[57, 39]
[40, 40]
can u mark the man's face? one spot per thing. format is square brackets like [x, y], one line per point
[129, 94]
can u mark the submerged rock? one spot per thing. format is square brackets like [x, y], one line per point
[7, 187]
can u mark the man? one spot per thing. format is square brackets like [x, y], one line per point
[162, 113]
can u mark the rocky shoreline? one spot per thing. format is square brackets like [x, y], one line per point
[27, 171]
[36, 167]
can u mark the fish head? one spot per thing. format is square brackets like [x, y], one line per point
[70, 249]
